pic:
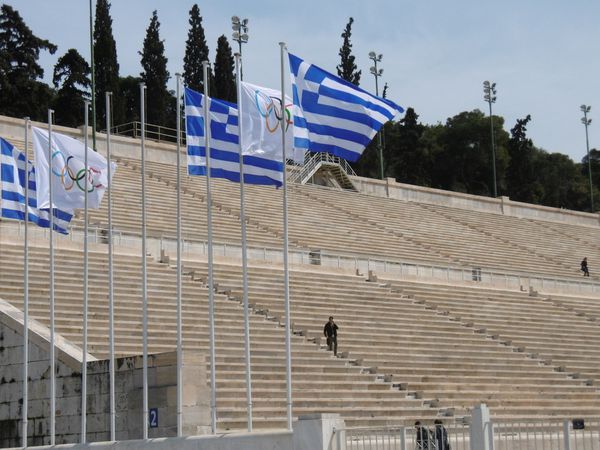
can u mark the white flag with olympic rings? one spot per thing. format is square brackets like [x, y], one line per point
[261, 124]
[70, 177]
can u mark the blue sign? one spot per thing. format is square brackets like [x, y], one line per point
[153, 417]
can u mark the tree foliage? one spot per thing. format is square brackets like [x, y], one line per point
[129, 91]
[106, 65]
[21, 94]
[72, 79]
[155, 75]
[347, 68]
[196, 51]
[224, 79]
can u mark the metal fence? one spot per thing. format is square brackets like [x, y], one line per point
[154, 132]
[446, 436]
[556, 434]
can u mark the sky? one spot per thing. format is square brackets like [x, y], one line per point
[543, 55]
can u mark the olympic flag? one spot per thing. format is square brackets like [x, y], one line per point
[261, 122]
[69, 175]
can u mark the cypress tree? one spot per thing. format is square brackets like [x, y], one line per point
[129, 92]
[347, 68]
[106, 65]
[224, 83]
[21, 94]
[155, 74]
[196, 51]
[72, 74]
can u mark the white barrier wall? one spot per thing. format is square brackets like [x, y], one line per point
[128, 390]
[274, 440]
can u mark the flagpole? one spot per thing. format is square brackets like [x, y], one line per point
[179, 305]
[93, 78]
[144, 272]
[85, 279]
[26, 294]
[286, 275]
[52, 337]
[238, 80]
[211, 293]
[111, 304]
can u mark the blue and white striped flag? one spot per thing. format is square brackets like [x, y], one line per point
[13, 166]
[333, 115]
[224, 144]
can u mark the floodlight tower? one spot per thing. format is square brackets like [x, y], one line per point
[489, 95]
[240, 35]
[377, 73]
[585, 121]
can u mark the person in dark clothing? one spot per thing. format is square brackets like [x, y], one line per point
[441, 435]
[330, 332]
[423, 438]
[584, 268]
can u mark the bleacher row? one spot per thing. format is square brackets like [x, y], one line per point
[411, 350]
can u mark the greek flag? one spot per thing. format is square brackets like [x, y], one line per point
[224, 144]
[13, 166]
[333, 115]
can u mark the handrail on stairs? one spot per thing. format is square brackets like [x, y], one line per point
[312, 160]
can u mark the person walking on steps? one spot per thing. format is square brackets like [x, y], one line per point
[330, 332]
[584, 268]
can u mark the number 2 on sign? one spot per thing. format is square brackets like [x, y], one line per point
[153, 417]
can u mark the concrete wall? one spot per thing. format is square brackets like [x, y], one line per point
[128, 390]
[502, 205]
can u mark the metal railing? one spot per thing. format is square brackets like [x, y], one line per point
[574, 434]
[313, 160]
[446, 436]
[155, 132]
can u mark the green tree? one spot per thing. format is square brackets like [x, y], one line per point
[595, 159]
[155, 75]
[522, 180]
[129, 91]
[224, 80]
[21, 94]
[106, 65]
[463, 158]
[563, 184]
[72, 79]
[368, 163]
[347, 68]
[196, 51]
[406, 157]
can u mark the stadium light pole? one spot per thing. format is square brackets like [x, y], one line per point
[586, 109]
[240, 35]
[489, 95]
[377, 73]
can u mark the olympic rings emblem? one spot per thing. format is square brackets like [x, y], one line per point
[73, 173]
[269, 107]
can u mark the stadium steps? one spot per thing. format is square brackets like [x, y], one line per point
[353, 386]
[503, 239]
[510, 319]
[462, 358]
